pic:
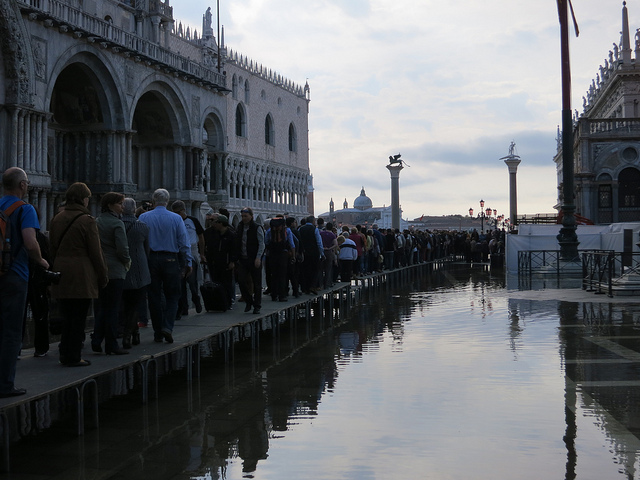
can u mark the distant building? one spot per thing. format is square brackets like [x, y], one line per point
[362, 213]
[607, 139]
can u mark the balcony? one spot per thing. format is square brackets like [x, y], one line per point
[57, 13]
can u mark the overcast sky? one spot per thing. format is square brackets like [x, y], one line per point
[447, 84]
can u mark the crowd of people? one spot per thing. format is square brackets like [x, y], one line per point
[139, 262]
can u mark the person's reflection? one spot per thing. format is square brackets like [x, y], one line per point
[241, 423]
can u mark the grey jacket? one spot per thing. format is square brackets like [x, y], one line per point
[138, 238]
[114, 245]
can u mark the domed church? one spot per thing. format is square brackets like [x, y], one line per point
[362, 213]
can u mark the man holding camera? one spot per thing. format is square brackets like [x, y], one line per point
[14, 278]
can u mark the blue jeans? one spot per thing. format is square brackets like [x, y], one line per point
[13, 298]
[165, 273]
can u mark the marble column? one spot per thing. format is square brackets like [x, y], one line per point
[394, 170]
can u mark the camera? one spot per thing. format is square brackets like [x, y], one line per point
[51, 278]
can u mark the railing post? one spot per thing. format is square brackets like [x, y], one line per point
[611, 260]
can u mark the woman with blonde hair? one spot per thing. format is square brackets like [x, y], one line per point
[77, 255]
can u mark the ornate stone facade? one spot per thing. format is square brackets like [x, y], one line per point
[607, 139]
[114, 94]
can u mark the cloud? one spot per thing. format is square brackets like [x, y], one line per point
[448, 87]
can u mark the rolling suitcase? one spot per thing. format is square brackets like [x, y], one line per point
[214, 296]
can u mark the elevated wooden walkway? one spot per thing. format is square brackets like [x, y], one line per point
[53, 391]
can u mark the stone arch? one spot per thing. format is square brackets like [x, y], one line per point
[98, 71]
[214, 145]
[241, 121]
[86, 129]
[161, 145]
[174, 101]
[269, 130]
[293, 138]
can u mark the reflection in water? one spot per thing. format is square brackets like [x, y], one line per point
[445, 378]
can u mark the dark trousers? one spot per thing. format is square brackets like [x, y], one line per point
[279, 262]
[346, 270]
[293, 274]
[190, 282]
[131, 301]
[165, 280]
[309, 273]
[74, 313]
[13, 296]
[250, 282]
[327, 268]
[38, 299]
[107, 309]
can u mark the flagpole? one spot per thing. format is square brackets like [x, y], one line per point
[219, 44]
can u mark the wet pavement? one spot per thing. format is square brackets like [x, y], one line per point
[454, 376]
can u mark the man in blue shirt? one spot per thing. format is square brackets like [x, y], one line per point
[169, 262]
[14, 282]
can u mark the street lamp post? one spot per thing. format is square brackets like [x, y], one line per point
[567, 238]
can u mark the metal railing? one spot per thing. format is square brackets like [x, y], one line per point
[548, 262]
[602, 270]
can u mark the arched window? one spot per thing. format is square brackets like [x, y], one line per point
[234, 87]
[241, 123]
[246, 91]
[269, 136]
[293, 140]
[629, 195]
[629, 188]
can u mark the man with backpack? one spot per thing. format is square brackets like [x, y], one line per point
[18, 225]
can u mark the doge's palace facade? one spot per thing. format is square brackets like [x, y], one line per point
[119, 95]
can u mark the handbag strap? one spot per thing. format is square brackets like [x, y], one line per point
[68, 227]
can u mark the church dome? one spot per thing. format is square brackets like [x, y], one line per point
[362, 202]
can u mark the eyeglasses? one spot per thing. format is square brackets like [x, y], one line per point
[245, 210]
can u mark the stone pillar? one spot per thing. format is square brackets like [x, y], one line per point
[42, 208]
[14, 136]
[33, 143]
[512, 162]
[122, 141]
[40, 135]
[21, 140]
[129, 157]
[394, 170]
[155, 20]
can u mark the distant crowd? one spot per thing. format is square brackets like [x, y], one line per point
[148, 263]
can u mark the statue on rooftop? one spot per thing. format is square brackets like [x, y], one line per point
[207, 18]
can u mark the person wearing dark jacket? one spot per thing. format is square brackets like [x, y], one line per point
[77, 255]
[280, 246]
[115, 248]
[311, 244]
[138, 276]
[220, 249]
[249, 251]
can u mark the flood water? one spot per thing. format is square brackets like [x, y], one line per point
[450, 378]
